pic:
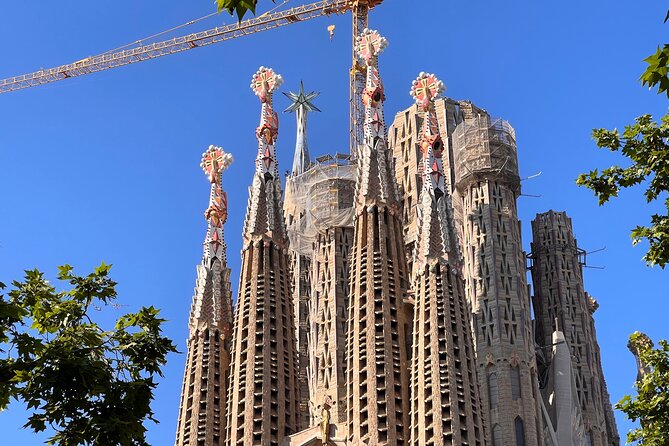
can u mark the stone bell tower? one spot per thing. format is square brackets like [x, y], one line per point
[203, 397]
[263, 393]
[376, 344]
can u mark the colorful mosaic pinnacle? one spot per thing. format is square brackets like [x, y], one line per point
[425, 90]
[264, 83]
[436, 227]
[264, 215]
[374, 184]
[370, 44]
[214, 162]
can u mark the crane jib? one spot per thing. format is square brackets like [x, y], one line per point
[140, 53]
[269, 20]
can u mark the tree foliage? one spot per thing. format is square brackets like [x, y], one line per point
[89, 385]
[657, 71]
[645, 144]
[240, 7]
[651, 404]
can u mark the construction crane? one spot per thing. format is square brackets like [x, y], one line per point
[359, 11]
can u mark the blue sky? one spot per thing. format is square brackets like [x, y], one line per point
[106, 166]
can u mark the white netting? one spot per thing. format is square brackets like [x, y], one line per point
[320, 198]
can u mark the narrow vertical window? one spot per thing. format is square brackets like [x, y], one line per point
[588, 439]
[493, 390]
[515, 383]
[520, 432]
[497, 435]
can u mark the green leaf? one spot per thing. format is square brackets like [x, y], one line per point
[240, 7]
[64, 272]
[103, 269]
[657, 70]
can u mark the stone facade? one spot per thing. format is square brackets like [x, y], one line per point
[329, 319]
[488, 184]
[561, 304]
[391, 307]
[480, 165]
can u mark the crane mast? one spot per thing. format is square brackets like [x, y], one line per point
[359, 11]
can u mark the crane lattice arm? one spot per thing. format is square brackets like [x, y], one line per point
[106, 61]
[360, 13]
[359, 10]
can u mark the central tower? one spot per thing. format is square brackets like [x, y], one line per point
[376, 347]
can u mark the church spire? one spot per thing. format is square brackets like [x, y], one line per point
[211, 305]
[203, 400]
[263, 406]
[376, 347]
[301, 104]
[435, 227]
[214, 162]
[442, 366]
[264, 215]
[376, 184]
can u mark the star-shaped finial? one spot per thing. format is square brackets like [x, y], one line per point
[301, 100]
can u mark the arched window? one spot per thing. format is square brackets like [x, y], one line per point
[515, 383]
[493, 390]
[520, 432]
[497, 435]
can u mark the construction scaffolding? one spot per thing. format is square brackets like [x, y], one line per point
[322, 198]
[485, 145]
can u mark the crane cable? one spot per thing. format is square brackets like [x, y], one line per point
[140, 42]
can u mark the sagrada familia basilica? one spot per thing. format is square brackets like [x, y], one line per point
[383, 296]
